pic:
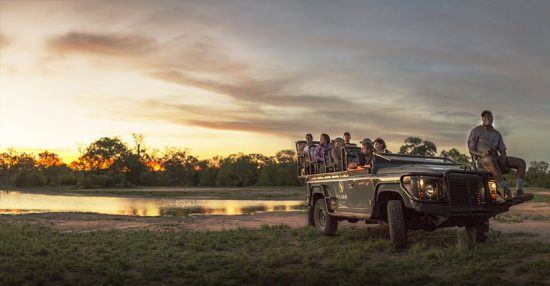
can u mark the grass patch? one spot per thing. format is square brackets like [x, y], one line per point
[541, 198]
[539, 194]
[520, 217]
[34, 254]
[536, 190]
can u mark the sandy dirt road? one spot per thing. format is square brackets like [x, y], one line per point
[83, 222]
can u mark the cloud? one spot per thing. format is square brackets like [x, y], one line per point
[376, 69]
[266, 91]
[118, 44]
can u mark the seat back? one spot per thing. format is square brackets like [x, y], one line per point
[300, 157]
[311, 164]
[300, 146]
[328, 161]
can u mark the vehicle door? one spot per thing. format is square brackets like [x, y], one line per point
[360, 191]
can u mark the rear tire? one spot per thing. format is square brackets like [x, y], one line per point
[396, 223]
[325, 223]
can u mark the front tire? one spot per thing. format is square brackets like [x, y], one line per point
[325, 223]
[396, 223]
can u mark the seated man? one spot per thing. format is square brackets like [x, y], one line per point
[337, 153]
[347, 140]
[368, 150]
[486, 145]
[309, 143]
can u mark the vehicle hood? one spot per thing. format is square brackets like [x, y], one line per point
[417, 168]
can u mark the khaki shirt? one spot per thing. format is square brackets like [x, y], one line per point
[483, 139]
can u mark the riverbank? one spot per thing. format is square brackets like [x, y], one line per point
[527, 217]
[249, 193]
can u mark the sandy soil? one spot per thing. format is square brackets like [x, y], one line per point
[82, 222]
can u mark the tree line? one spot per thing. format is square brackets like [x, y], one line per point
[110, 162]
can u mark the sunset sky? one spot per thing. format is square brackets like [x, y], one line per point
[221, 77]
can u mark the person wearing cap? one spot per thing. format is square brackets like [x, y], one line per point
[337, 153]
[368, 150]
[487, 147]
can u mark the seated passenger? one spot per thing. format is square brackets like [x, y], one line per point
[322, 147]
[337, 153]
[368, 150]
[347, 140]
[380, 146]
[309, 143]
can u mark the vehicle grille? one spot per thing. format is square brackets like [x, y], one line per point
[465, 192]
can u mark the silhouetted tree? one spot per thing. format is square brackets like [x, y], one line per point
[208, 171]
[135, 162]
[281, 171]
[537, 174]
[179, 168]
[7, 167]
[239, 170]
[455, 155]
[105, 154]
[47, 159]
[417, 146]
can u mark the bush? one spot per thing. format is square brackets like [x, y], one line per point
[29, 179]
[103, 181]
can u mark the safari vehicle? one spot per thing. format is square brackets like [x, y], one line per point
[406, 192]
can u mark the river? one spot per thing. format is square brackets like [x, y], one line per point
[21, 203]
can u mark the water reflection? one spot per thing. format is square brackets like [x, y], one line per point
[21, 203]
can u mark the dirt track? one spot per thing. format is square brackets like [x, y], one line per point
[68, 222]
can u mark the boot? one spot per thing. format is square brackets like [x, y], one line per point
[520, 196]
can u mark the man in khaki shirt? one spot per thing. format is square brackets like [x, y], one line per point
[486, 145]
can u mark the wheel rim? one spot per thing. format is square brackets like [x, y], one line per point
[322, 218]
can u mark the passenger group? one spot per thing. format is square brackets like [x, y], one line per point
[319, 150]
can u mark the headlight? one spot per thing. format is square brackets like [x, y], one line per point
[430, 191]
[493, 189]
[422, 187]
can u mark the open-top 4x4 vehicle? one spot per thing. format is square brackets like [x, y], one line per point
[406, 192]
